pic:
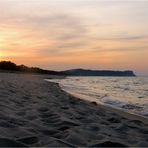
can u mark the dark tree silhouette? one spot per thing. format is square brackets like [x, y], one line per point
[9, 66]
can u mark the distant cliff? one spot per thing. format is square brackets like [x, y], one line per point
[84, 72]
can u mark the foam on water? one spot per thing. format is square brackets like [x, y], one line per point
[128, 93]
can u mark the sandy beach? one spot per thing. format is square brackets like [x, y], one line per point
[34, 112]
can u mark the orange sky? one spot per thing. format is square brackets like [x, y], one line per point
[64, 34]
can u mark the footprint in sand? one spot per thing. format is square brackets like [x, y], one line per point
[108, 144]
[21, 113]
[4, 142]
[114, 120]
[28, 140]
[43, 109]
[5, 124]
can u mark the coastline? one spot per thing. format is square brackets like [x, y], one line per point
[34, 112]
[119, 111]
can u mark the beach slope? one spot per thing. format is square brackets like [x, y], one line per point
[34, 112]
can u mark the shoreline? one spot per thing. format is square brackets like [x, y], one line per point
[119, 111]
[37, 113]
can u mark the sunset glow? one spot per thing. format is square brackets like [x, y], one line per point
[65, 34]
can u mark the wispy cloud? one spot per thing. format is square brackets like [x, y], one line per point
[125, 38]
[74, 30]
[122, 50]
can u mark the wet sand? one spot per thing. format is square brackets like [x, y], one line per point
[34, 112]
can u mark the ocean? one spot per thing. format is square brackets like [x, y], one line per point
[128, 93]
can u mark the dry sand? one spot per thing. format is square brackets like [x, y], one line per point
[34, 113]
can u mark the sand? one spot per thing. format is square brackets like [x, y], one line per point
[34, 112]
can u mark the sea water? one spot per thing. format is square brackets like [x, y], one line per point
[128, 93]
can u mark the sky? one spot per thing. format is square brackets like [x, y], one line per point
[67, 34]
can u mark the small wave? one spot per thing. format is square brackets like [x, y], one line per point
[121, 93]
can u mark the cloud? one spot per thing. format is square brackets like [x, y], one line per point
[121, 50]
[46, 33]
[125, 38]
[93, 31]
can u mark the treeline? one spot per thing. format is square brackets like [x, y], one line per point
[9, 66]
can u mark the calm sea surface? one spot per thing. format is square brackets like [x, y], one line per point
[128, 93]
